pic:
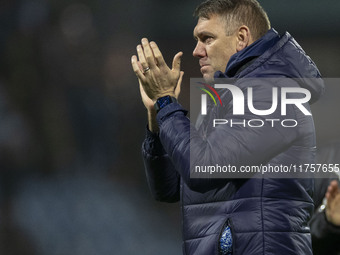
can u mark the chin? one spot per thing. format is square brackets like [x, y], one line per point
[208, 77]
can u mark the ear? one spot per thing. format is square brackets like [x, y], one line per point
[244, 38]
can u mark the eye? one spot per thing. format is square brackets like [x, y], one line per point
[207, 39]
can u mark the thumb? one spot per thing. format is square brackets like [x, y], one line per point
[142, 91]
[176, 63]
[179, 84]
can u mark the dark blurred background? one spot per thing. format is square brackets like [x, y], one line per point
[72, 122]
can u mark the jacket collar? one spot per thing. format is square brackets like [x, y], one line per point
[256, 49]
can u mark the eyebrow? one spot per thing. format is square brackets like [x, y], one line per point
[202, 33]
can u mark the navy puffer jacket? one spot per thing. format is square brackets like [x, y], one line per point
[266, 216]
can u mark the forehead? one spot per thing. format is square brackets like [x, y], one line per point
[215, 24]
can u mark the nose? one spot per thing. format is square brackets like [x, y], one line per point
[199, 51]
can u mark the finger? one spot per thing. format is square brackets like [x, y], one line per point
[334, 183]
[142, 91]
[158, 55]
[176, 63]
[150, 58]
[142, 59]
[329, 205]
[136, 66]
[179, 84]
[140, 66]
[331, 191]
[327, 195]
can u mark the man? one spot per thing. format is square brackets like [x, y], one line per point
[325, 223]
[230, 216]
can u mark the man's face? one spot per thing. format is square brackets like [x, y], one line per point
[214, 48]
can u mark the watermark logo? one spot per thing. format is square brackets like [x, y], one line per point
[204, 97]
[252, 103]
[242, 126]
[239, 99]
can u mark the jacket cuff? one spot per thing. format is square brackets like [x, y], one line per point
[169, 111]
[152, 144]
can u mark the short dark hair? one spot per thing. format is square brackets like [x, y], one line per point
[237, 13]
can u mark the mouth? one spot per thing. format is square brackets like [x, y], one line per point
[204, 67]
[203, 62]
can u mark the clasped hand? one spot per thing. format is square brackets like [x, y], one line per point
[155, 78]
[333, 203]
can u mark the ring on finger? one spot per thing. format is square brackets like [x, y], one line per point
[146, 69]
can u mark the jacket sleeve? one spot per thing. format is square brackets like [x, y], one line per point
[163, 179]
[325, 236]
[225, 146]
